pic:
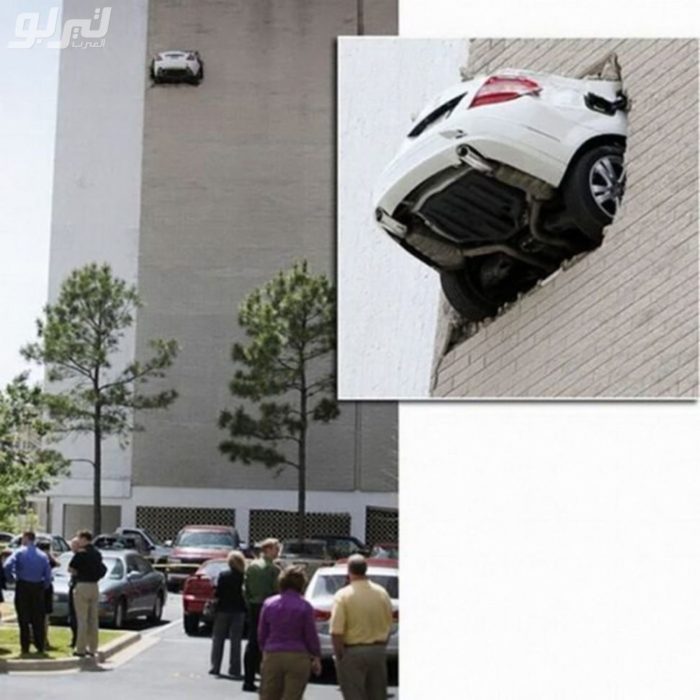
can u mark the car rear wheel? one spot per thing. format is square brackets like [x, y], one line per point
[486, 283]
[157, 612]
[120, 614]
[191, 624]
[594, 188]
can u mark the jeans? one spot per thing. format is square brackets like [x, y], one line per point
[227, 625]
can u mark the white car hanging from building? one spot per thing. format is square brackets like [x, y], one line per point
[177, 67]
[503, 177]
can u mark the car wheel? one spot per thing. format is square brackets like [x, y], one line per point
[120, 614]
[191, 624]
[479, 289]
[157, 613]
[594, 188]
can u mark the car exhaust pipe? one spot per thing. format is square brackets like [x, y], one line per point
[473, 159]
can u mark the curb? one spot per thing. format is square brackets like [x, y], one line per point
[72, 663]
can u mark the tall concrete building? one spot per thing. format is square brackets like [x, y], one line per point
[199, 194]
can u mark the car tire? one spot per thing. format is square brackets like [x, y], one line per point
[463, 296]
[156, 614]
[593, 188]
[120, 614]
[191, 624]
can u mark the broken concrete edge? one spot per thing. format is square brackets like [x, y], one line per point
[452, 330]
[126, 639]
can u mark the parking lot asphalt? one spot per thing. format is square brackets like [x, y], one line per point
[165, 664]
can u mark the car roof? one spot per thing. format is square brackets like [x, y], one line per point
[377, 569]
[217, 528]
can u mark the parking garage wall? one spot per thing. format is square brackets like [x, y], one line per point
[622, 321]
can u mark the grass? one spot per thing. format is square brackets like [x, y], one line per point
[59, 638]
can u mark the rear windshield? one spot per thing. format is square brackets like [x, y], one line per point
[115, 567]
[329, 584]
[205, 540]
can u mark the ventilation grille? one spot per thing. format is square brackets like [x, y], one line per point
[282, 524]
[382, 525]
[165, 522]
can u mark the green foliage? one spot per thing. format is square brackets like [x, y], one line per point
[27, 466]
[290, 324]
[78, 340]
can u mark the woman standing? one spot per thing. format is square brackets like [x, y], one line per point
[229, 616]
[288, 639]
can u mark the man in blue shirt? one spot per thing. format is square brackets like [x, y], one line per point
[30, 569]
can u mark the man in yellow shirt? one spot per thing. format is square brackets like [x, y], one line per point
[360, 626]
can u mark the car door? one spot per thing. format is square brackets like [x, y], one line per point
[150, 582]
[134, 584]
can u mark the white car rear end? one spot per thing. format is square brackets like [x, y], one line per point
[328, 580]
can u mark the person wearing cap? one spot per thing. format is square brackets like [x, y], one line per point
[260, 583]
[360, 625]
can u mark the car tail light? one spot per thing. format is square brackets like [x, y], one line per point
[395, 615]
[501, 88]
[322, 615]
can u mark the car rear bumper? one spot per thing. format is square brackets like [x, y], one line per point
[509, 140]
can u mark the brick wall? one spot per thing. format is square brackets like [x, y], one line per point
[622, 321]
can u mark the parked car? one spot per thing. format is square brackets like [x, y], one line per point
[311, 554]
[385, 550]
[198, 593]
[130, 589]
[340, 546]
[177, 66]
[505, 176]
[327, 581]
[57, 543]
[153, 549]
[6, 538]
[196, 544]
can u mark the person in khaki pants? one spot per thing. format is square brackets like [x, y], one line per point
[360, 626]
[87, 568]
[288, 639]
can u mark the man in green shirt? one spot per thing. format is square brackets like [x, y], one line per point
[260, 583]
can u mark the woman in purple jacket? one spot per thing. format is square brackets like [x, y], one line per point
[288, 639]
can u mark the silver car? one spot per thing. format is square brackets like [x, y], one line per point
[130, 589]
[327, 581]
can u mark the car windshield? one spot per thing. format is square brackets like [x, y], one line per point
[205, 540]
[115, 567]
[330, 584]
[304, 549]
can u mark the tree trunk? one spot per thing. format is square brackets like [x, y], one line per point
[97, 476]
[301, 504]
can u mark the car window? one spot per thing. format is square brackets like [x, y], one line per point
[330, 584]
[143, 566]
[115, 568]
[131, 564]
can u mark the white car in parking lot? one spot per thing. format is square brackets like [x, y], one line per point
[503, 177]
[328, 580]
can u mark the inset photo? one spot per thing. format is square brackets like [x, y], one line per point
[518, 218]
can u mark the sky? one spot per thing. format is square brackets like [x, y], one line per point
[28, 92]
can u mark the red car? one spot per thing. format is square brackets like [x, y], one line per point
[196, 544]
[198, 591]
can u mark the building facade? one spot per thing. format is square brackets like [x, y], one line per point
[622, 321]
[199, 194]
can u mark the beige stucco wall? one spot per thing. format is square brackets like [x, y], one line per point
[238, 183]
[622, 322]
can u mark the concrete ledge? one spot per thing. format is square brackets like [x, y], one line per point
[71, 663]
